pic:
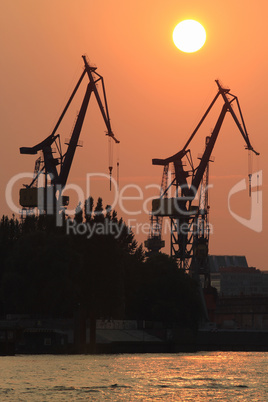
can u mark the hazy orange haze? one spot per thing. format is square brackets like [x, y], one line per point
[156, 94]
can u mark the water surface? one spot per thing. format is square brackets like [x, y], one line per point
[203, 376]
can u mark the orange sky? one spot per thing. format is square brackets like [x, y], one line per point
[156, 94]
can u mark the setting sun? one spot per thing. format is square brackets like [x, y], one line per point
[189, 36]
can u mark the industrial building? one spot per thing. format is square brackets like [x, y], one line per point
[232, 276]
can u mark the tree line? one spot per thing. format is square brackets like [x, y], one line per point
[49, 270]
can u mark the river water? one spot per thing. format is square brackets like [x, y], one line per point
[203, 376]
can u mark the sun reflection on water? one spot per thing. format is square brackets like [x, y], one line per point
[202, 376]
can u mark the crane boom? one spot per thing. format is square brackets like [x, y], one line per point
[66, 166]
[104, 110]
[243, 129]
[208, 150]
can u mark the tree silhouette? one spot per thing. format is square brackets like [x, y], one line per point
[102, 269]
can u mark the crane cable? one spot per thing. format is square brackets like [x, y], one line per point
[249, 171]
[258, 169]
[117, 164]
[110, 158]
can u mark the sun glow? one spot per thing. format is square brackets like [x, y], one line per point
[189, 36]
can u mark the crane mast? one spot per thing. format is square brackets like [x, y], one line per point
[189, 229]
[57, 168]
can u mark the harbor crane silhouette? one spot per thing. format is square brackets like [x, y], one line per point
[189, 228]
[57, 168]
